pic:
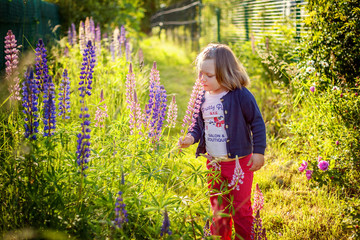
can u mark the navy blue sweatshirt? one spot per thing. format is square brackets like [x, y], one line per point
[244, 125]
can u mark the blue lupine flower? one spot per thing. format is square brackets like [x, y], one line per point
[87, 70]
[165, 228]
[120, 212]
[30, 93]
[49, 108]
[64, 96]
[41, 67]
[83, 148]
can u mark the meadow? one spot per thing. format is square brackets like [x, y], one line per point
[110, 168]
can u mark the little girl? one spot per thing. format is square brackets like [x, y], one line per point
[231, 135]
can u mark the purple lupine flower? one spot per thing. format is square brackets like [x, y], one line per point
[193, 106]
[98, 39]
[258, 232]
[154, 82]
[64, 96]
[165, 228]
[101, 112]
[74, 35]
[323, 165]
[172, 113]
[30, 97]
[237, 176]
[41, 67]
[116, 45]
[309, 174]
[83, 148]
[122, 34]
[92, 30]
[70, 37]
[127, 50]
[120, 212]
[49, 108]
[206, 229]
[258, 199]
[82, 38]
[11, 58]
[303, 166]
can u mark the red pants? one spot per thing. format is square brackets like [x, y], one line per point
[236, 203]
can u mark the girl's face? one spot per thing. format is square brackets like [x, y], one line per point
[208, 78]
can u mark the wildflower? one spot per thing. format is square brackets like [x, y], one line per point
[336, 88]
[303, 166]
[83, 148]
[101, 112]
[319, 159]
[127, 50]
[310, 70]
[49, 108]
[172, 113]
[11, 63]
[310, 63]
[237, 176]
[120, 212]
[337, 142]
[64, 96]
[165, 228]
[122, 34]
[258, 232]
[258, 199]
[309, 174]
[323, 165]
[41, 66]
[74, 36]
[312, 89]
[324, 64]
[122, 177]
[98, 39]
[70, 36]
[317, 74]
[92, 31]
[116, 45]
[30, 93]
[82, 39]
[87, 30]
[193, 106]
[112, 51]
[206, 229]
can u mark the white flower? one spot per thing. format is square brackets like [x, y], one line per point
[324, 64]
[311, 62]
[317, 74]
[310, 70]
[335, 88]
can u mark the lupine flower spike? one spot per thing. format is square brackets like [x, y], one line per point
[64, 96]
[122, 39]
[101, 112]
[120, 212]
[82, 40]
[258, 232]
[237, 176]
[70, 37]
[49, 108]
[74, 40]
[11, 58]
[41, 66]
[98, 39]
[206, 230]
[172, 114]
[83, 148]
[165, 228]
[193, 106]
[30, 92]
[116, 38]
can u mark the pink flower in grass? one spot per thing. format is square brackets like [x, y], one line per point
[323, 165]
[172, 113]
[303, 166]
[101, 112]
[312, 89]
[309, 174]
[193, 106]
[258, 200]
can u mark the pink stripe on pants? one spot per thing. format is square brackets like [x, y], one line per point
[240, 209]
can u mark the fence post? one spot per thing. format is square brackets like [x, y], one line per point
[218, 16]
[246, 14]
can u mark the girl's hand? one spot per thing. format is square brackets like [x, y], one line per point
[257, 161]
[186, 141]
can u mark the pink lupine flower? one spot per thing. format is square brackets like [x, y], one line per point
[337, 142]
[82, 39]
[116, 37]
[101, 112]
[312, 89]
[172, 113]
[303, 166]
[11, 63]
[309, 174]
[135, 114]
[193, 106]
[237, 176]
[323, 165]
[130, 85]
[258, 199]
[127, 50]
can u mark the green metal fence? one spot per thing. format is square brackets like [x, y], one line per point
[259, 18]
[29, 20]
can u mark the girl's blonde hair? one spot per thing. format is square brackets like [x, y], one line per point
[228, 70]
